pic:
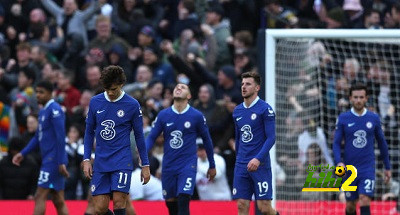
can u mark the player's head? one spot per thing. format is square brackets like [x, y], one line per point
[358, 96]
[44, 90]
[250, 84]
[181, 92]
[113, 78]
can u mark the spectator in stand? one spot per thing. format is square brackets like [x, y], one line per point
[278, 16]
[66, 94]
[162, 71]
[117, 56]
[372, 19]
[354, 11]
[392, 19]
[93, 73]
[17, 182]
[79, 112]
[153, 98]
[74, 142]
[221, 29]
[143, 76]
[32, 124]
[39, 58]
[105, 39]
[187, 17]
[9, 79]
[40, 36]
[23, 98]
[70, 18]
[218, 189]
[50, 72]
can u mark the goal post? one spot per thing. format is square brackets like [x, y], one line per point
[307, 77]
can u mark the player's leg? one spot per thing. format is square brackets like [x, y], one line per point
[90, 207]
[185, 189]
[40, 200]
[262, 184]
[120, 199]
[351, 207]
[243, 206]
[101, 189]
[172, 205]
[59, 202]
[242, 189]
[366, 189]
[130, 210]
[265, 207]
[120, 185]
[365, 202]
[169, 182]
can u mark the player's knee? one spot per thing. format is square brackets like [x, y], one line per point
[364, 200]
[243, 205]
[351, 206]
[119, 201]
[266, 208]
[100, 209]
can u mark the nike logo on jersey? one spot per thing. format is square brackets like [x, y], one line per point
[120, 187]
[351, 124]
[100, 111]
[169, 124]
[56, 112]
[239, 118]
[186, 189]
[260, 195]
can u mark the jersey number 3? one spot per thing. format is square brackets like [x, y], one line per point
[108, 132]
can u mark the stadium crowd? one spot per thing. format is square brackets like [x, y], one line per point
[207, 44]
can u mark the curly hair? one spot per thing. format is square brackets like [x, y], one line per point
[112, 75]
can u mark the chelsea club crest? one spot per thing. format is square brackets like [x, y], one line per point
[120, 113]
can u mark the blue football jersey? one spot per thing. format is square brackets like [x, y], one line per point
[254, 131]
[180, 131]
[359, 133]
[111, 122]
[50, 136]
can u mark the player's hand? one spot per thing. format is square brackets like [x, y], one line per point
[388, 175]
[145, 175]
[253, 165]
[211, 174]
[63, 170]
[87, 169]
[17, 159]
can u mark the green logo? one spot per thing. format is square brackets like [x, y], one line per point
[325, 182]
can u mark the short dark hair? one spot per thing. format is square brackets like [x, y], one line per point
[254, 75]
[112, 75]
[358, 86]
[47, 85]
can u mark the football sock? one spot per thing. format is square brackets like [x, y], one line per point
[351, 213]
[120, 211]
[172, 207]
[183, 204]
[365, 210]
[277, 213]
[109, 212]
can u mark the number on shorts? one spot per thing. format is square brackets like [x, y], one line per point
[122, 176]
[262, 185]
[43, 177]
[188, 184]
[369, 184]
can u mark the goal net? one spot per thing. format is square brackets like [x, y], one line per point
[308, 76]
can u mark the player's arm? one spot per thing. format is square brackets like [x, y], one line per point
[154, 133]
[33, 144]
[137, 123]
[382, 144]
[237, 136]
[88, 141]
[337, 141]
[202, 130]
[269, 129]
[58, 122]
[208, 145]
